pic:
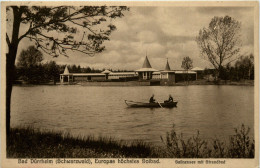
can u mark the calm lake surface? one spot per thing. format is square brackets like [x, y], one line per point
[101, 111]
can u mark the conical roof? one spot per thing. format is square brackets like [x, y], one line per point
[66, 71]
[106, 72]
[146, 63]
[167, 67]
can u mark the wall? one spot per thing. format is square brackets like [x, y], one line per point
[183, 77]
[80, 78]
[131, 83]
[171, 77]
[98, 78]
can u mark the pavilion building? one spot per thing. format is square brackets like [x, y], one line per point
[167, 75]
[146, 73]
[106, 75]
[66, 76]
[199, 72]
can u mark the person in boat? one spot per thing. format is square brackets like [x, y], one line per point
[152, 100]
[170, 98]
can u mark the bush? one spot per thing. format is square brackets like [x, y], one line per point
[240, 146]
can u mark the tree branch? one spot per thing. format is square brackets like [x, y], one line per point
[8, 40]
[83, 26]
[25, 34]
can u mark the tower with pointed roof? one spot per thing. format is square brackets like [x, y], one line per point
[145, 73]
[66, 71]
[167, 67]
[167, 75]
[66, 76]
[146, 63]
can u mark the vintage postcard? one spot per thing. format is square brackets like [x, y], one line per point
[130, 84]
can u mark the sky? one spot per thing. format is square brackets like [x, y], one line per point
[161, 32]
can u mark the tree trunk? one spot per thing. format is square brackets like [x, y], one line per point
[10, 61]
[8, 101]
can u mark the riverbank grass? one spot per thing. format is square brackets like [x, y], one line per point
[30, 143]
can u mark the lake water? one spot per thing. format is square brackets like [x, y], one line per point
[101, 111]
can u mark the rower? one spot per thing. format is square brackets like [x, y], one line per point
[170, 98]
[152, 100]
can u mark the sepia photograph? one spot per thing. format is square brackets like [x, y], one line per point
[144, 84]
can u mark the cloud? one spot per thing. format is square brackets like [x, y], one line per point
[162, 32]
[147, 36]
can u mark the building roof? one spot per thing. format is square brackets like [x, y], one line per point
[66, 71]
[122, 73]
[146, 70]
[146, 66]
[101, 74]
[146, 63]
[197, 69]
[106, 71]
[167, 67]
[86, 74]
[183, 72]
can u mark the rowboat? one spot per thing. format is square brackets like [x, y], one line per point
[151, 105]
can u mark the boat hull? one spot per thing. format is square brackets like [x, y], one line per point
[151, 105]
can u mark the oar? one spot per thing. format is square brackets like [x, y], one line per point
[160, 104]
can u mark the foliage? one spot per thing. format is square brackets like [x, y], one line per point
[29, 64]
[219, 43]
[242, 69]
[240, 146]
[186, 63]
[56, 30]
[30, 57]
[30, 143]
[51, 71]
[177, 147]
[245, 67]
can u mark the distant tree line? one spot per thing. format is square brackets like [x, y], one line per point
[31, 68]
[242, 69]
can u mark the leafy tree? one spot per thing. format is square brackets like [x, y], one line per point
[29, 63]
[86, 70]
[245, 67]
[56, 31]
[52, 71]
[30, 57]
[74, 69]
[220, 42]
[187, 65]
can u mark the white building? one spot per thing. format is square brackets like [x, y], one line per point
[147, 73]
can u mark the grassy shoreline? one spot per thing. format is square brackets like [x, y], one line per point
[30, 143]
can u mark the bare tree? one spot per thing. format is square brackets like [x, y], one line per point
[220, 42]
[57, 30]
